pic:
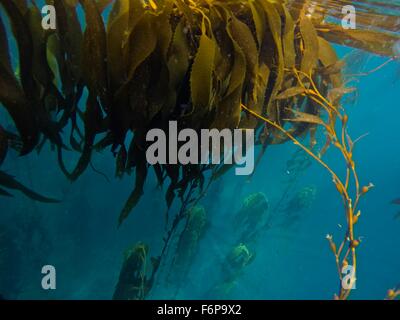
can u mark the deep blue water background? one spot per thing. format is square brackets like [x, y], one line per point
[80, 237]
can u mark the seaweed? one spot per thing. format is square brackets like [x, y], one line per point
[393, 294]
[263, 65]
[252, 217]
[235, 262]
[141, 66]
[342, 141]
[134, 282]
[187, 246]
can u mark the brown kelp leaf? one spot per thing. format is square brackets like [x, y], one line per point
[290, 93]
[310, 42]
[305, 117]
[142, 42]
[70, 44]
[40, 69]
[22, 6]
[336, 94]
[103, 4]
[119, 8]
[117, 34]
[23, 37]
[73, 47]
[229, 111]
[159, 82]
[201, 75]
[136, 10]
[94, 65]
[72, 3]
[9, 182]
[238, 72]
[142, 38]
[160, 75]
[259, 21]
[223, 59]
[179, 52]
[140, 179]
[16, 104]
[228, 108]
[178, 66]
[121, 162]
[275, 26]
[3, 145]
[326, 53]
[53, 55]
[139, 101]
[164, 29]
[369, 40]
[187, 12]
[288, 40]
[332, 66]
[4, 48]
[243, 36]
[92, 120]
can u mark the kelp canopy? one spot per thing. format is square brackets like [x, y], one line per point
[85, 85]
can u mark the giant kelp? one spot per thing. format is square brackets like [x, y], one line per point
[252, 217]
[265, 65]
[134, 283]
[187, 247]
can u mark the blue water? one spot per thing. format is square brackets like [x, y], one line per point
[80, 237]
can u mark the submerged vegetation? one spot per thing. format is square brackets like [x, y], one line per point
[264, 65]
[133, 283]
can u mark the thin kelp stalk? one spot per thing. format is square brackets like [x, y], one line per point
[343, 142]
[188, 202]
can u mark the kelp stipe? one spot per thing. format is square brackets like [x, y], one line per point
[342, 141]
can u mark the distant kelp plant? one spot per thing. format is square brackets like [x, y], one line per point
[265, 65]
